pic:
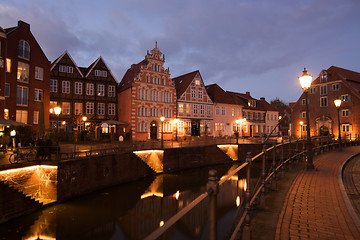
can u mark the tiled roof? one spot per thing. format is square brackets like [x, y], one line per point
[267, 106]
[218, 95]
[182, 82]
[130, 75]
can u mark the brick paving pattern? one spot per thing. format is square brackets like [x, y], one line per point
[314, 207]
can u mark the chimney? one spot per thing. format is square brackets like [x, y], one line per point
[24, 24]
[262, 98]
[248, 93]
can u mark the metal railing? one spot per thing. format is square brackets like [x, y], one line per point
[279, 156]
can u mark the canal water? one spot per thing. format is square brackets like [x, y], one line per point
[134, 210]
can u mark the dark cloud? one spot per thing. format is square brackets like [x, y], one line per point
[259, 45]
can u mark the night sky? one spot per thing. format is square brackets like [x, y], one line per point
[259, 46]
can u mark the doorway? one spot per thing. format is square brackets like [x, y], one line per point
[195, 128]
[153, 130]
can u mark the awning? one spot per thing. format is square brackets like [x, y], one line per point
[113, 122]
[6, 122]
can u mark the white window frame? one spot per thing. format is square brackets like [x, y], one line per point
[66, 108]
[23, 72]
[90, 108]
[24, 101]
[22, 116]
[38, 95]
[24, 50]
[90, 89]
[65, 87]
[111, 109]
[78, 108]
[78, 88]
[111, 91]
[101, 109]
[323, 101]
[53, 85]
[101, 90]
[36, 117]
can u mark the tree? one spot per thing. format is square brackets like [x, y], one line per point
[278, 104]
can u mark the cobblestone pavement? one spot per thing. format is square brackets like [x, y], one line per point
[314, 207]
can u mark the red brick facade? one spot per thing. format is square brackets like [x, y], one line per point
[333, 83]
[146, 93]
[27, 77]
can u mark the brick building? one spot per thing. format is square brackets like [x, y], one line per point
[145, 94]
[227, 113]
[25, 77]
[260, 116]
[333, 83]
[194, 106]
[80, 92]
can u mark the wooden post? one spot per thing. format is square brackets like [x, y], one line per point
[247, 231]
[212, 186]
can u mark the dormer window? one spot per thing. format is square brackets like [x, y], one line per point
[24, 49]
[323, 77]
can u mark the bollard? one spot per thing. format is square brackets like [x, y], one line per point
[263, 176]
[246, 231]
[273, 180]
[212, 186]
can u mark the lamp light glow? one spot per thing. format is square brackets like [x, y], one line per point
[305, 80]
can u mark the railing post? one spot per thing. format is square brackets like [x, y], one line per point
[273, 180]
[263, 176]
[246, 231]
[282, 159]
[212, 186]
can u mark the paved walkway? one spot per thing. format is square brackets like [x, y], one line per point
[314, 207]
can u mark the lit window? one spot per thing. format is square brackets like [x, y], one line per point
[52, 105]
[181, 107]
[6, 113]
[23, 72]
[65, 110]
[8, 65]
[21, 116]
[187, 108]
[53, 85]
[232, 112]
[22, 96]
[24, 49]
[39, 73]
[197, 82]
[65, 86]
[38, 95]
[78, 108]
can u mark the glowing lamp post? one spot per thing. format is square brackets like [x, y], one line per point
[57, 111]
[301, 126]
[305, 82]
[162, 119]
[337, 103]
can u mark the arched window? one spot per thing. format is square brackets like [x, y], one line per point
[24, 49]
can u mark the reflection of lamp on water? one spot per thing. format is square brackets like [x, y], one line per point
[177, 194]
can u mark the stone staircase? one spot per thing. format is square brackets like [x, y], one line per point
[15, 203]
[153, 158]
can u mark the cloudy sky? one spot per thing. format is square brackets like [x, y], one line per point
[259, 46]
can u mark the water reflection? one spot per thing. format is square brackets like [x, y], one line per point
[134, 210]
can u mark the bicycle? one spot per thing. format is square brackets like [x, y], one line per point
[29, 155]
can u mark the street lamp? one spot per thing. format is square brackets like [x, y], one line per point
[57, 111]
[337, 103]
[305, 82]
[301, 126]
[162, 119]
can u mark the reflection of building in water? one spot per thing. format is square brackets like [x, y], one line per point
[133, 211]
